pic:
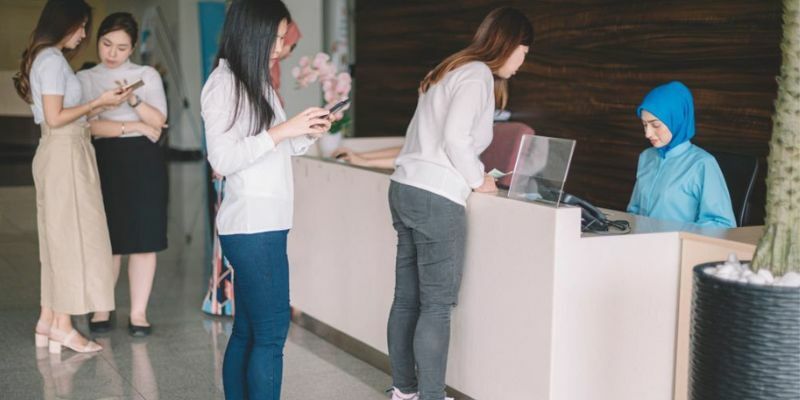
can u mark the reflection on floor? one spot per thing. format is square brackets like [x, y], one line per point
[183, 357]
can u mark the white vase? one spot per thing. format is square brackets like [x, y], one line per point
[329, 142]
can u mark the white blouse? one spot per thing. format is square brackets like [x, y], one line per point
[259, 188]
[451, 127]
[97, 80]
[51, 75]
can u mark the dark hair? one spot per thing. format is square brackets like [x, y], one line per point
[500, 33]
[59, 20]
[120, 21]
[248, 36]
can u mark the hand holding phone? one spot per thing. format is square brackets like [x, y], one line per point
[131, 87]
[331, 111]
[338, 106]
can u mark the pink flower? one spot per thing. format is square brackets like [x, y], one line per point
[330, 97]
[320, 59]
[345, 77]
[303, 61]
[327, 71]
[343, 84]
[328, 85]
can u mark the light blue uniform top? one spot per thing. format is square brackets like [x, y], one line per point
[686, 185]
[680, 181]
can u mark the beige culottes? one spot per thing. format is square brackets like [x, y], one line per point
[74, 246]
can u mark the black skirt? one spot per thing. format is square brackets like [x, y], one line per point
[133, 177]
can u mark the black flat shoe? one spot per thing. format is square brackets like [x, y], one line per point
[101, 326]
[138, 331]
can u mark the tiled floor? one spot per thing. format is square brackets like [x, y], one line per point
[183, 357]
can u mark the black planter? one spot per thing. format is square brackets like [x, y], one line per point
[745, 340]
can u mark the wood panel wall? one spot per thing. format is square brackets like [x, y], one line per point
[591, 64]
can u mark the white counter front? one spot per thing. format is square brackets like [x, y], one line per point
[543, 312]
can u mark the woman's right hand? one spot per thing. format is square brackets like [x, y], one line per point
[313, 121]
[488, 185]
[112, 98]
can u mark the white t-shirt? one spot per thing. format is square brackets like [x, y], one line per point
[259, 188]
[451, 127]
[52, 75]
[97, 80]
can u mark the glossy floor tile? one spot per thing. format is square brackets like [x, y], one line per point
[182, 359]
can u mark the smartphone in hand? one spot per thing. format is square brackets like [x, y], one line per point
[133, 86]
[338, 106]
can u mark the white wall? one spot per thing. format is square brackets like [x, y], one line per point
[191, 64]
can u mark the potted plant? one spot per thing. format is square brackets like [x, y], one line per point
[335, 88]
[746, 319]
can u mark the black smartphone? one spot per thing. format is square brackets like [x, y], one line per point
[338, 106]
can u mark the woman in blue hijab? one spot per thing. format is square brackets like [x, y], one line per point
[675, 179]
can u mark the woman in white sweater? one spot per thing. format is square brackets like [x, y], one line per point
[437, 169]
[250, 142]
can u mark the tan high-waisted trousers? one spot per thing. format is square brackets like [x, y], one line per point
[74, 246]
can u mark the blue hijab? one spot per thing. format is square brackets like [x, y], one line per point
[672, 103]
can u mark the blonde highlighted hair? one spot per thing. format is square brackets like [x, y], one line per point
[500, 33]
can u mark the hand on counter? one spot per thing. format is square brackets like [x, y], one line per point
[345, 154]
[382, 159]
[488, 185]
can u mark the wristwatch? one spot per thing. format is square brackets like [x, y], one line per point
[137, 102]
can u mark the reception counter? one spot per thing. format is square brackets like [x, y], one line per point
[544, 312]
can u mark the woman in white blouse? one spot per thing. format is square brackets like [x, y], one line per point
[133, 171]
[74, 247]
[251, 142]
[437, 169]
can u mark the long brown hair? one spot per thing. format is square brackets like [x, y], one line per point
[500, 33]
[59, 20]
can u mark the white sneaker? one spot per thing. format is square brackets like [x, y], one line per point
[398, 395]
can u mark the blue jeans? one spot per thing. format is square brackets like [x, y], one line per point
[431, 233]
[253, 366]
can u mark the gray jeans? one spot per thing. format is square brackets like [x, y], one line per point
[431, 233]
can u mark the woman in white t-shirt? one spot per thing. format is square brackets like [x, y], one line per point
[133, 171]
[74, 247]
[437, 169]
[251, 142]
